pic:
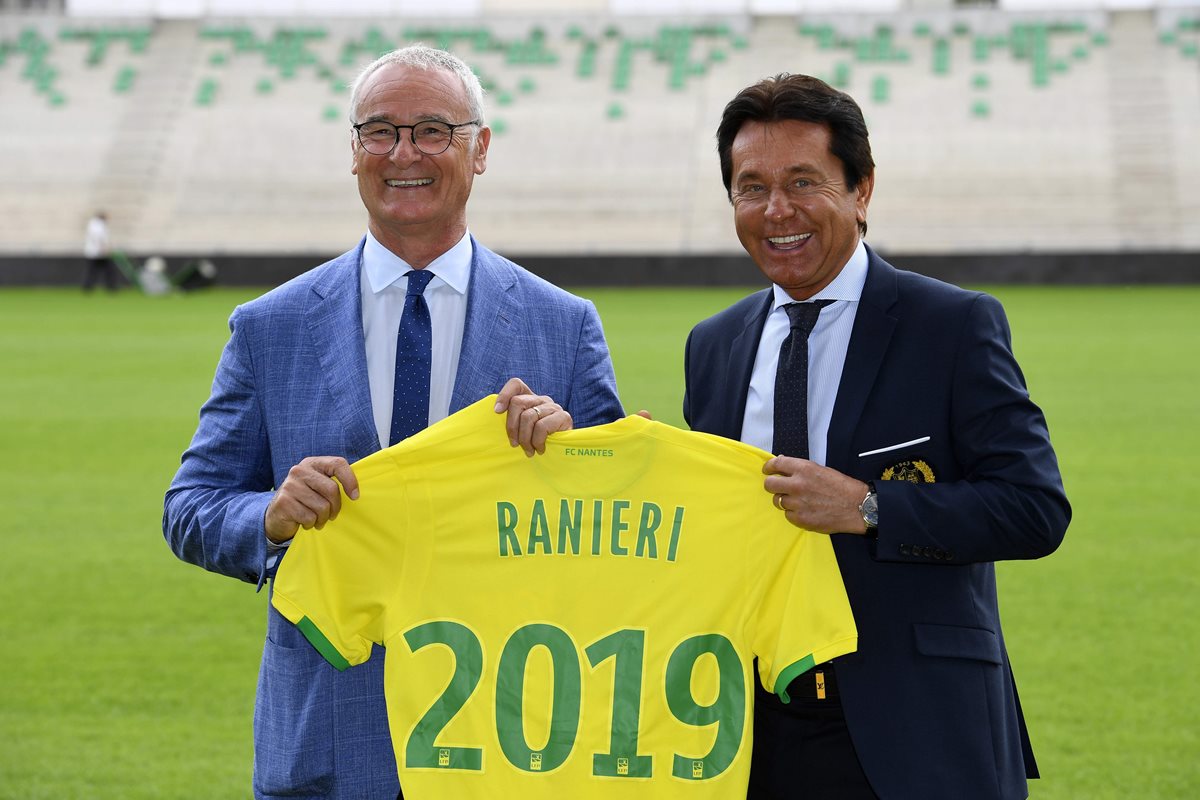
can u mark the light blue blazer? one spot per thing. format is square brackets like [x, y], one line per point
[292, 383]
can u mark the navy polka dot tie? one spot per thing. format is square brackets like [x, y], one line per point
[414, 343]
[791, 381]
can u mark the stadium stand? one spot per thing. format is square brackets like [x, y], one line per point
[994, 131]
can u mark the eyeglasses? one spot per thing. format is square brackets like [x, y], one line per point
[429, 136]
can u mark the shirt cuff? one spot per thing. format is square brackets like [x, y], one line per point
[271, 562]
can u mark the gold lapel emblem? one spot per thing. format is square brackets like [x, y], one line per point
[912, 471]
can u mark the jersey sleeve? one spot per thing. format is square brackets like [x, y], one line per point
[335, 584]
[804, 617]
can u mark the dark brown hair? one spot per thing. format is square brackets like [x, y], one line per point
[805, 98]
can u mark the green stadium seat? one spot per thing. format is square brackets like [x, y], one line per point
[982, 48]
[125, 80]
[880, 89]
[139, 40]
[941, 56]
[586, 66]
[206, 92]
[841, 75]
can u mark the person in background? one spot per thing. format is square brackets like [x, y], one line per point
[97, 250]
[903, 428]
[417, 321]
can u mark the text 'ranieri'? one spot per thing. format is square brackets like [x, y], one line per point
[611, 527]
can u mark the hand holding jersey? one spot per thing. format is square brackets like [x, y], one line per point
[310, 496]
[531, 417]
[815, 497]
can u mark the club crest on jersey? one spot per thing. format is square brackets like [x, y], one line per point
[535, 762]
[912, 471]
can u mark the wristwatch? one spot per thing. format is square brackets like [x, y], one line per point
[869, 508]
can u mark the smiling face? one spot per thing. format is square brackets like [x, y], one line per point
[792, 210]
[418, 203]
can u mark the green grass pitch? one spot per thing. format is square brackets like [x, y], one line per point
[128, 674]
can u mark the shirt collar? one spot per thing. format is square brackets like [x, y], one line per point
[848, 284]
[383, 267]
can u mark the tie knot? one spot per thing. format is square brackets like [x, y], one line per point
[418, 279]
[804, 315]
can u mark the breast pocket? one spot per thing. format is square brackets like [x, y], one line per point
[912, 462]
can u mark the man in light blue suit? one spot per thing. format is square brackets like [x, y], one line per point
[307, 383]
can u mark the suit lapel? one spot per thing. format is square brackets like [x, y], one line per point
[869, 340]
[743, 349]
[335, 326]
[492, 313]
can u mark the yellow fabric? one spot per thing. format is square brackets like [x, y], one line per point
[459, 558]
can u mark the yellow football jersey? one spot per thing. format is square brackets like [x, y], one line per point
[580, 624]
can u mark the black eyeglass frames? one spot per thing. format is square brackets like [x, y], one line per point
[432, 137]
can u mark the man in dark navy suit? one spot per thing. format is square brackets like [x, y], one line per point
[904, 429]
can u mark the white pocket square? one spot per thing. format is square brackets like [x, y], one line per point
[922, 440]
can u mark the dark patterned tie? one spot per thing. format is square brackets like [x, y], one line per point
[791, 381]
[414, 343]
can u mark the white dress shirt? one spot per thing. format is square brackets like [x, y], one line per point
[384, 284]
[827, 345]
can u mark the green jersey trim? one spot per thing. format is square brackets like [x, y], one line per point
[323, 645]
[827, 653]
[789, 673]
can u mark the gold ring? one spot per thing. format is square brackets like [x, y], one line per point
[537, 411]
[779, 501]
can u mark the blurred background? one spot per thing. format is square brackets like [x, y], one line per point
[1016, 140]
[1025, 147]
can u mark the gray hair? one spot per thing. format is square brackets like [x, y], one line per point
[420, 56]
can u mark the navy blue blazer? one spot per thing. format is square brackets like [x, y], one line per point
[929, 697]
[291, 383]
